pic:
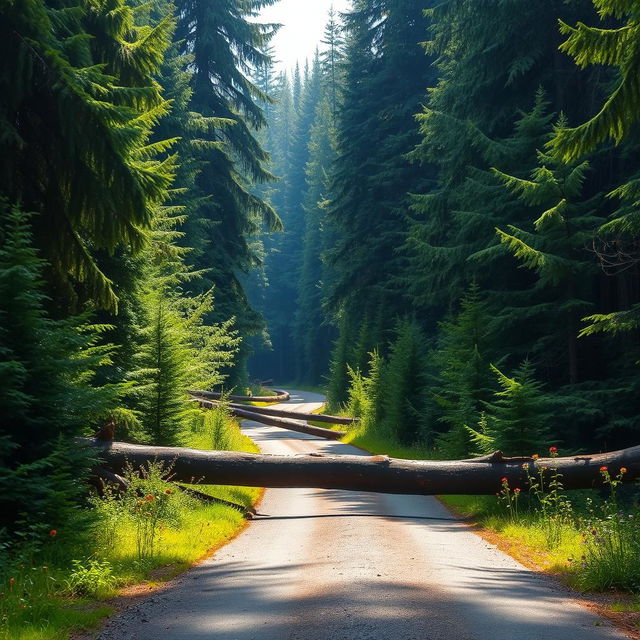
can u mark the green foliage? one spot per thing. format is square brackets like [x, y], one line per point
[404, 376]
[516, 421]
[224, 43]
[79, 104]
[463, 379]
[47, 394]
[617, 47]
[91, 577]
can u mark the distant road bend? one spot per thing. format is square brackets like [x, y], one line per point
[334, 565]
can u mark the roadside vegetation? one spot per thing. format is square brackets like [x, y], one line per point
[590, 538]
[150, 532]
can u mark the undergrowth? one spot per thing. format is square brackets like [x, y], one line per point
[152, 531]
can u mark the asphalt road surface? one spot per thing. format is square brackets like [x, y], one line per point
[336, 565]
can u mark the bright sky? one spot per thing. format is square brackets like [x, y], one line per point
[303, 27]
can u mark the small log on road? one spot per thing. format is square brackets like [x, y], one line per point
[373, 473]
[280, 396]
[283, 423]
[282, 413]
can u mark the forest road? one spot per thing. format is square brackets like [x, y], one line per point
[337, 565]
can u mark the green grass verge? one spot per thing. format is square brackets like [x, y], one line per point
[49, 598]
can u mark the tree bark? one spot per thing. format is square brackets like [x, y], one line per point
[283, 423]
[281, 396]
[282, 413]
[374, 473]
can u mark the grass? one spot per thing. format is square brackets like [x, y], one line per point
[67, 587]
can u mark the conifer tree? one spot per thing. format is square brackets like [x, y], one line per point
[462, 381]
[76, 118]
[312, 331]
[225, 44]
[48, 394]
[555, 248]
[385, 75]
[617, 47]
[515, 423]
[404, 397]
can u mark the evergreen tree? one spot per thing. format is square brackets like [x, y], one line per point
[515, 423]
[76, 117]
[555, 248]
[225, 44]
[386, 72]
[463, 380]
[404, 398]
[47, 394]
[312, 331]
[617, 47]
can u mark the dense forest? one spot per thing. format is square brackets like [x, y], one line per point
[459, 195]
[438, 212]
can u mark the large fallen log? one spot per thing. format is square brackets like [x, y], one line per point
[280, 396]
[282, 413]
[368, 473]
[283, 423]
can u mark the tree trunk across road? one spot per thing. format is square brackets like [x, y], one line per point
[372, 473]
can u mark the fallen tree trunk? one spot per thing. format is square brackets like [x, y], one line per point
[368, 473]
[283, 423]
[280, 396]
[282, 413]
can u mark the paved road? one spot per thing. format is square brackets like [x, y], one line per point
[336, 565]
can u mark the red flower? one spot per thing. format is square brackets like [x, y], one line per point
[168, 491]
[149, 497]
[553, 449]
[516, 490]
[603, 468]
[623, 469]
[504, 480]
[53, 533]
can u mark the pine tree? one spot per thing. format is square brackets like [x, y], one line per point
[76, 118]
[515, 423]
[47, 394]
[312, 331]
[385, 75]
[404, 398]
[615, 47]
[555, 249]
[462, 380]
[225, 43]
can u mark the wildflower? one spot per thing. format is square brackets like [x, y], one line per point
[12, 580]
[168, 491]
[603, 468]
[149, 497]
[504, 480]
[525, 466]
[623, 470]
[535, 456]
[53, 533]
[553, 449]
[516, 490]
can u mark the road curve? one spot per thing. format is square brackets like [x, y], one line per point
[335, 565]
